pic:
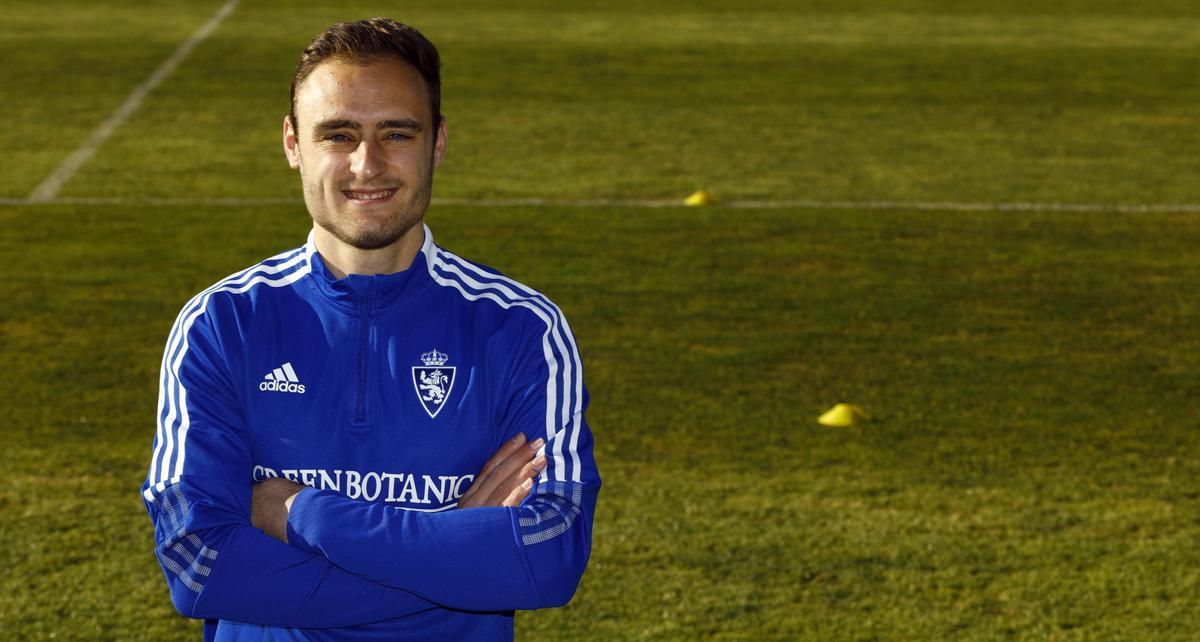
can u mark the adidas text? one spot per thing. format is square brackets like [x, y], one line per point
[281, 386]
[282, 379]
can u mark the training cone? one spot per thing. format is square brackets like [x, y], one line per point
[842, 416]
[699, 198]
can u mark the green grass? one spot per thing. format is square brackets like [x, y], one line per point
[1002, 102]
[1029, 474]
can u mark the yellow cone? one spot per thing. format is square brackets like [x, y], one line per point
[699, 198]
[842, 416]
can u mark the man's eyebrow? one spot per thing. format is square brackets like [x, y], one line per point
[402, 123]
[326, 126]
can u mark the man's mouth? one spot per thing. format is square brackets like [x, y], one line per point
[369, 195]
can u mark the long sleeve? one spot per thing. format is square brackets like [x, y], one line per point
[484, 559]
[198, 493]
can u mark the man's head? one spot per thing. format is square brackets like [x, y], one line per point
[373, 39]
[365, 131]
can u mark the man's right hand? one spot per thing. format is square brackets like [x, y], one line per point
[507, 477]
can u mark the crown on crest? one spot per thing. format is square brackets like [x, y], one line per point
[434, 358]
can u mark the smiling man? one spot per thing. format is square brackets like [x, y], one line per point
[369, 437]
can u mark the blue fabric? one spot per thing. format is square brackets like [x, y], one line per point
[551, 511]
[179, 551]
[385, 395]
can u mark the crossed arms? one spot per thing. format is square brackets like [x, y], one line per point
[515, 543]
[505, 480]
[325, 560]
[462, 559]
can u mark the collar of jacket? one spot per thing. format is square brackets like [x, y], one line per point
[372, 292]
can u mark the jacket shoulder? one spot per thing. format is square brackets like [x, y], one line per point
[481, 284]
[282, 269]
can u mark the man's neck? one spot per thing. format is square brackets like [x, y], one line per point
[342, 259]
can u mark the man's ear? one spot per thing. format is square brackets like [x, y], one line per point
[439, 145]
[290, 144]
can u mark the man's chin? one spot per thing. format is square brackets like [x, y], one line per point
[376, 239]
[373, 242]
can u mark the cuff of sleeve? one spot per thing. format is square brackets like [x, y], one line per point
[523, 551]
[301, 520]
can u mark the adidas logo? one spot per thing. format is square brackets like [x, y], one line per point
[282, 379]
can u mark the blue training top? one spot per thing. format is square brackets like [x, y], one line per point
[385, 395]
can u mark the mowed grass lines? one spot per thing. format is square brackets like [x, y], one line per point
[990, 102]
[1028, 475]
[68, 65]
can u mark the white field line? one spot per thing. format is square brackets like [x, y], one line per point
[48, 190]
[949, 206]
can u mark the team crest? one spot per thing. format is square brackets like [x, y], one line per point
[433, 381]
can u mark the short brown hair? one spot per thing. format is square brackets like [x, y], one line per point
[369, 40]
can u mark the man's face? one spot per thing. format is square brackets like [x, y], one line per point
[366, 148]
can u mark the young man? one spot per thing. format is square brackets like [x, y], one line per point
[405, 427]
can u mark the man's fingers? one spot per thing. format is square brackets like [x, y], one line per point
[465, 500]
[502, 472]
[500, 480]
[518, 494]
[503, 475]
[505, 451]
[522, 478]
[511, 446]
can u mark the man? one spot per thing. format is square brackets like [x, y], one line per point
[405, 427]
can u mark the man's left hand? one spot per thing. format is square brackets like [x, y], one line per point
[270, 503]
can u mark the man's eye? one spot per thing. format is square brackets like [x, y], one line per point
[398, 136]
[338, 138]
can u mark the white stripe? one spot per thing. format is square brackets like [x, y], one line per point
[291, 374]
[570, 411]
[49, 187]
[204, 550]
[179, 571]
[552, 385]
[165, 438]
[577, 411]
[158, 435]
[534, 302]
[187, 555]
[553, 323]
[563, 329]
[279, 375]
[185, 422]
[551, 382]
[164, 450]
[426, 510]
[804, 204]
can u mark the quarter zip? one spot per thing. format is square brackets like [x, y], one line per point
[363, 298]
[360, 419]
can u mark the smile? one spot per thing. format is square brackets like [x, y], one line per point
[367, 196]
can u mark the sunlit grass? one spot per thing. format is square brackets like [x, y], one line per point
[1031, 375]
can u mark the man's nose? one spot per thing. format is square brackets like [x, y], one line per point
[366, 161]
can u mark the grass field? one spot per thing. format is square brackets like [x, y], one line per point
[1031, 473]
